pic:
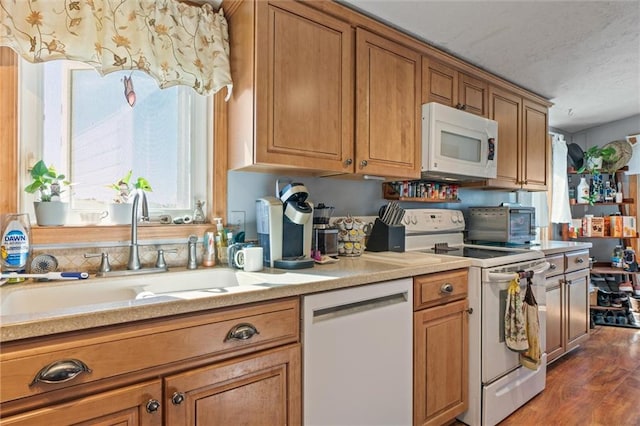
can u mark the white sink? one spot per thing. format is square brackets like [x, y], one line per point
[55, 296]
[38, 298]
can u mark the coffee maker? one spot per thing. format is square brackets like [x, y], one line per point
[285, 227]
[325, 238]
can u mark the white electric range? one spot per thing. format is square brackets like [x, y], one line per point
[498, 384]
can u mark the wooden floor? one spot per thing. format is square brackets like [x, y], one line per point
[597, 384]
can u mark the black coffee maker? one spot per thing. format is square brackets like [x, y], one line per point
[325, 238]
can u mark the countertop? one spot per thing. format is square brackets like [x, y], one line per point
[347, 272]
[556, 247]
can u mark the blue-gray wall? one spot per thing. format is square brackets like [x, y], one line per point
[348, 196]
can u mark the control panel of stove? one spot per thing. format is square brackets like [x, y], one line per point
[433, 220]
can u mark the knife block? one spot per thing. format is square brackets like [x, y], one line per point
[386, 237]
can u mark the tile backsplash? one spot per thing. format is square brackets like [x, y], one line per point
[73, 259]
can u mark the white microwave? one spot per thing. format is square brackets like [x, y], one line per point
[457, 145]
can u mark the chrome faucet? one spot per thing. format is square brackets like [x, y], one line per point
[134, 256]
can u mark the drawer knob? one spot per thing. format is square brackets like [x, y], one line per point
[60, 371]
[579, 260]
[152, 406]
[242, 331]
[447, 288]
[553, 266]
[177, 398]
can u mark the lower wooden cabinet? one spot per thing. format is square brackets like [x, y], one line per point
[230, 366]
[256, 389]
[567, 303]
[441, 335]
[133, 405]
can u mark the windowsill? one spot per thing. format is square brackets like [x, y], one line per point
[60, 235]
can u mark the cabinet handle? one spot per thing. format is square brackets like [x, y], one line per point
[364, 163]
[446, 288]
[470, 311]
[242, 331]
[60, 371]
[152, 406]
[461, 106]
[177, 398]
[348, 162]
[579, 260]
[553, 266]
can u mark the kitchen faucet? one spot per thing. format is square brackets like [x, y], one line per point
[134, 256]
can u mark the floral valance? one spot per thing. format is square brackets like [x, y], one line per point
[174, 42]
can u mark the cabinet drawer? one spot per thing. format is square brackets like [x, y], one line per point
[436, 289]
[576, 260]
[556, 265]
[120, 350]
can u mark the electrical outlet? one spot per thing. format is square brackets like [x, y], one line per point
[236, 220]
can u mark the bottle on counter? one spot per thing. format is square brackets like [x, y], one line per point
[582, 194]
[209, 248]
[16, 240]
[221, 243]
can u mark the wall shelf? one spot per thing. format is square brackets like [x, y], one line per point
[390, 193]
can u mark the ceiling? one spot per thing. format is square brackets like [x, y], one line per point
[584, 56]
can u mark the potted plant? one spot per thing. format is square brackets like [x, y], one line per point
[48, 185]
[120, 209]
[594, 157]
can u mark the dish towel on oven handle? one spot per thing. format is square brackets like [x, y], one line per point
[532, 356]
[515, 320]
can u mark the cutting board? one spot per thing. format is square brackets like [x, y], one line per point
[410, 258]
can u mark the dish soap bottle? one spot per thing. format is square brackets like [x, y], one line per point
[16, 239]
[221, 243]
[582, 191]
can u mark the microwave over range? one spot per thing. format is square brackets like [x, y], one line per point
[457, 145]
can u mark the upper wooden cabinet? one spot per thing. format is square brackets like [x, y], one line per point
[523, 146]
[292, 103]
[444, 84]
[388, 104]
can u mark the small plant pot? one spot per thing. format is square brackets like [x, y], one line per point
[51, 213]
[120, 213]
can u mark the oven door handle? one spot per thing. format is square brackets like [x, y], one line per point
[501, 277]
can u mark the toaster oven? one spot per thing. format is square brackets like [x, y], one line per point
[503, 224]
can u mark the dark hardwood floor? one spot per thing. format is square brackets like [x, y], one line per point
[597, 384]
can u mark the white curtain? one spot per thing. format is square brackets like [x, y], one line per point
[560, 208]
[174, 42]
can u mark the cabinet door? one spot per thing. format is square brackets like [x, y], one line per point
[505, 108]
[305, 88]
[473, 95]
[440, 363]
[263, 389]
[555, 318]
[387, 107]
[439, 83]
[129, 406]
[536, 146]
[577, 293]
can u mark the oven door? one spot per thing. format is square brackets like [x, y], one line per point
[497, 358]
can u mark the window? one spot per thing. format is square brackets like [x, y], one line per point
[81, 123]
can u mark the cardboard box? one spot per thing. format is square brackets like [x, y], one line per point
[615, 226]
[629, 226]
[597, 227]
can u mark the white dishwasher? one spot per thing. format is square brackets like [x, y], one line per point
[358, 355]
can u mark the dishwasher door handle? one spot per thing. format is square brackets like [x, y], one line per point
[337, 311]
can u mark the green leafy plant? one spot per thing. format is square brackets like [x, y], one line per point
[607, 155]
[46, 182]
[125, 188]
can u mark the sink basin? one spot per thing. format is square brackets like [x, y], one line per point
[192, 284]
[56, 296]
[53, 297]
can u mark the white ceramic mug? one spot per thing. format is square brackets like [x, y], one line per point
[249, 259]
